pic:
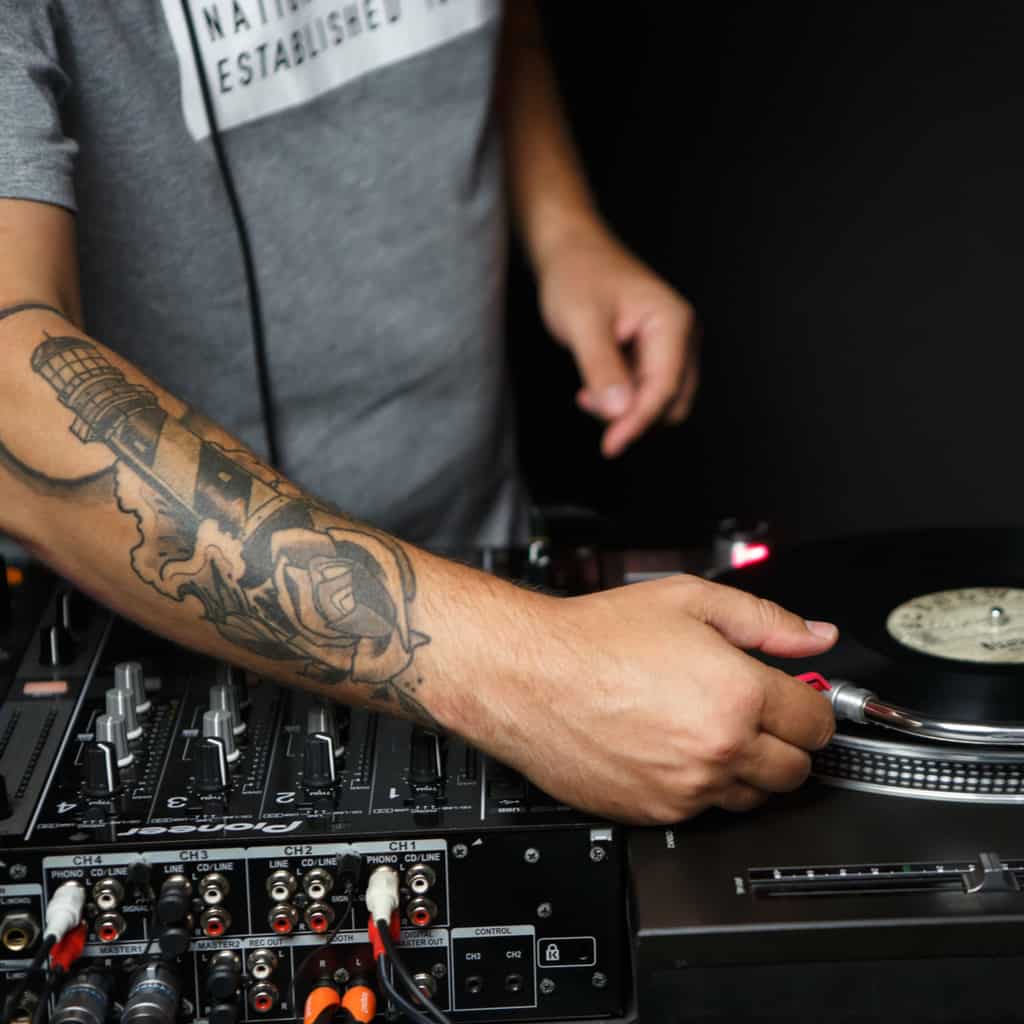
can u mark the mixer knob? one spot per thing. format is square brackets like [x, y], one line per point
[318, 761]
[113, 730]
[217, 725]
[321, 718]
[56, 647]
[128, 677]
[211, 766]
[224, 698]
[233, 676]
[101, 775]
[119, 702]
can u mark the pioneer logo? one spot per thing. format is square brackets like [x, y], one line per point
[231, 826]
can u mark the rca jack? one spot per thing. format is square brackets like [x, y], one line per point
[108, 894]
[283, 919]
[421, 912]
[318, 883]
[262, 964]
[214, 922]
[264, 997]
[420, 878]
[319, 917]
[281, 885]
[109, 927]
[214, 888]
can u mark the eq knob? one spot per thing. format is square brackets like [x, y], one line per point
[321, 718]
[128, 676]
[111, 729]
[119, 702]
[101, 775]
[217, 725]
[56, 646]
[212, 774]
[224, 698]
[318, 768]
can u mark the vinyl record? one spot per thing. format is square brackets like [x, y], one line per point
[930, 619]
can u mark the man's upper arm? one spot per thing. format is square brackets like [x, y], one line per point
[37, 241]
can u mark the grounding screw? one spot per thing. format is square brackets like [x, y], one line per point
[545, 910]
[547, 986]
[599, 980]
[597, 854]
[439, 971]
[460, 851]
[18, 872]
[532, 855]
[341, 975]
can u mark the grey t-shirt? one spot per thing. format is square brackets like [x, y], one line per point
[362, 140]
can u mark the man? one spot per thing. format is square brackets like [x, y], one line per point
[359, 143]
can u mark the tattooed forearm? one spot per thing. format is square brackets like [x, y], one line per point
[278, 573]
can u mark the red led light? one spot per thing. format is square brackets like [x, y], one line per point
[744, 554]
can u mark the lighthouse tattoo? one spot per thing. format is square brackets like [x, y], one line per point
[272, 569]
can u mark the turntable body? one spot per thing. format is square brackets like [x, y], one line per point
[891, 887]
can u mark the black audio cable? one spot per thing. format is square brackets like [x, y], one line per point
[392, 955]
[331, 937]
[259, 343]
[396, 997]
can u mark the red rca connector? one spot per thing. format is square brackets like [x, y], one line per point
[395, 929]
[816, 681]
[69, 949]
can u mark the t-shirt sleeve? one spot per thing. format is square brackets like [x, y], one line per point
[36, 157]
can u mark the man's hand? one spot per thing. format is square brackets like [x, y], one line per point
[634, 338]
[643, 708]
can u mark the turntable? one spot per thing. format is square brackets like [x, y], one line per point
[890, 886]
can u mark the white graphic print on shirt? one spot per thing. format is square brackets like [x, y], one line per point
[263, 56]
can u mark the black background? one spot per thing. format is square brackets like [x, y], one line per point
[838, 188]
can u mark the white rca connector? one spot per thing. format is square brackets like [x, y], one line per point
[64, 911]
[382, 893]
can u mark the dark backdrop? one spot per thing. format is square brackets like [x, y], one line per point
[838, 188]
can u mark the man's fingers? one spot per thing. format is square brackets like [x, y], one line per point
[796, 713]
[607, 381]
[756, 624]
[739, 797]
[773, 765]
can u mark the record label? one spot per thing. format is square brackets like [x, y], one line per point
[984, 625]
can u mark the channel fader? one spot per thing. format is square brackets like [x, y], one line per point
[233, 845]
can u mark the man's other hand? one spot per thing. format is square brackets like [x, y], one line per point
[634, 338]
